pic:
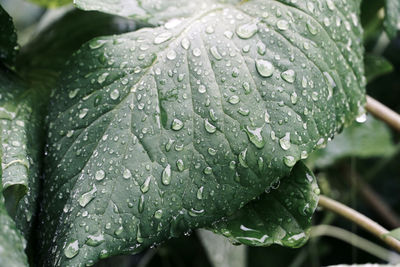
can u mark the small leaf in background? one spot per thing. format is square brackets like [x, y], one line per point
[163, 130]
[376, 66]
[8, 39]
[392, 18]
[52, 3]
[281, 216]
[12, 244]
[395, 233]
[364, 140]
[221, 252]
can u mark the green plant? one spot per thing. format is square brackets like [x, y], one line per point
[195, 115]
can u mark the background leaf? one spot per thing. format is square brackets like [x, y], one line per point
[282, 216]
[392, 17]
[363, 140]
[221, 252]
[376, 66]
[151, 133]
[51, 3]
[8, 38]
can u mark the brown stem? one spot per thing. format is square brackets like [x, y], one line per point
[383, 113]
[360, 220]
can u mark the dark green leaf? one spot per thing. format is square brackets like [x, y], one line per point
[8, 38]
[220, 251]
[392, 18]
[163, 130]
[364, 140]
[12, 244]
[282, 216]
[43, 58]
[376, 66]
[21, 114]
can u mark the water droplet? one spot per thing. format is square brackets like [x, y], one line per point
[185, 43]
[146, 185]
[312, 28]
[264, 68]
[260, 163]
[94, 44]
[114, 94]
[255, 136]
[177, 125]
[261, 48]
[73, 93]
[362, 118]
[100, 175]
[193, 212]
[83, 113]
[293, 98]
[95, 240]
[171, 55]
[127, 174]
[200, 193]
[210, 29]
[215, 53]
[196, 52]
[282, 25]
[207, 170]
[141, 204]
[247, 30]
[289, 161]
[234, 100]
[304, 154]
[72, 249]
[289, 76]
[209, 127]
[102, 77]
[242, 158]
[162, 37]
[166, 175]
[212, 151]
[87, 197]
[180, 165]
[267, 117]
[243, 111]
[202, 89]
[284, 142]
[158, 214]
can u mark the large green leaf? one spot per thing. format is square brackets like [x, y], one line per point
[21, 114]
[162, 130]
[12, 244]
[8, 38]
[152, 11]
[392, 17]
[364, 140]
[42, 60]
[282, 216]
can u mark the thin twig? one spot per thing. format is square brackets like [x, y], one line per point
[383, 113]
[360, 220]
[356, 241]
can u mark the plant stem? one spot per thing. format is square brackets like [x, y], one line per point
[383, 113]
[356, 241]
[360, 220]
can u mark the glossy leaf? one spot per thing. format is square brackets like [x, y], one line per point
[21, 114]
[151, 11]
[282, 216]
[12, 244]
[392, 18]
[8, 38]
[42, 60]
[220, 251]
[163, 130]
[364, 140]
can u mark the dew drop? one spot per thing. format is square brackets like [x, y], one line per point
[171, 55]
[255, 136]
[72, 249]
[94, 44]
[293, 98]
[289, 76]
[311, 28]
[284, 142]
[180, 165]
[87, 197]
[207, 170]
[202, 89]
[289, 161]
[162, 37]
[114, 94]
[242, 158]
[209, 127]
[261, 48]
[95, 240]
[102, 77]
[234, 99]
[215, 53]
[185, 43]
[141, 204]
[177, 125]
[264, 68]
[83, 113]
[166, 175]
[73, 93]
[199, 194]
[127, 174]
[196, 52]
[100, 175]
[282, 25]
[158, 214]
[247, 30]
[146, 185]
